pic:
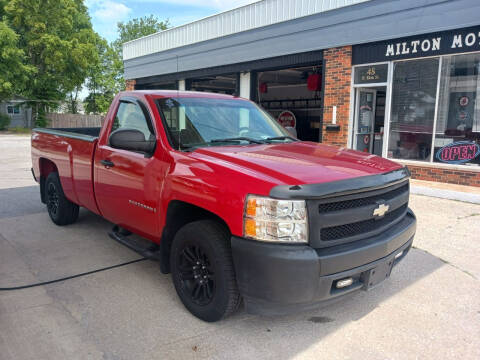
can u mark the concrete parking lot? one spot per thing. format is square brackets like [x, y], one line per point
[429, 308]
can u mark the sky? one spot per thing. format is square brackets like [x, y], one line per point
[106, 13]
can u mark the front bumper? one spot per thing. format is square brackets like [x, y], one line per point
[277, 279]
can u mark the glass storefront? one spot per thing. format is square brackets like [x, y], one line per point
[414, 90]
[458, 119]
[432, 112]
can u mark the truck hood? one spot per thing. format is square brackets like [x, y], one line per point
[296, 163]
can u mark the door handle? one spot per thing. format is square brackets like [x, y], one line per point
[107, 163]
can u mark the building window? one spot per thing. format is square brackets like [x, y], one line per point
[457, 135]
[13, 109]
[414, 91]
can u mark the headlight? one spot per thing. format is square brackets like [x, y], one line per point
[274, 220]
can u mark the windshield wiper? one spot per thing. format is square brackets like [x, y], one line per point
[280, 138]
[240, 138]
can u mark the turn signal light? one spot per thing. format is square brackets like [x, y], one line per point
[251, 209]
[250, 228]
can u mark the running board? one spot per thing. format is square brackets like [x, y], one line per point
[120, 235]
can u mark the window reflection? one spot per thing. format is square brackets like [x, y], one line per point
[458, 122]
[413, 109]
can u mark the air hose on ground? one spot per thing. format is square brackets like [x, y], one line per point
[72, 276]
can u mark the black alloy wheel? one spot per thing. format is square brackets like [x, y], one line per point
[61, 210]
[53, 200]
[202, 270]
[197, 274]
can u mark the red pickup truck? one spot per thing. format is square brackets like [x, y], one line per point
[233, 205]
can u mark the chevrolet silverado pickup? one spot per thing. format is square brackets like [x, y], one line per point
[232, 204]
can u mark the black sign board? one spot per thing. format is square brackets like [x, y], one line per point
[371, 74]
[439, 43]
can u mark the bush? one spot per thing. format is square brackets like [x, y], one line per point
[20, 130]
[41, 120]
[4, 121]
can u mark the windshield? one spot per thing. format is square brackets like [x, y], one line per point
[194, 122]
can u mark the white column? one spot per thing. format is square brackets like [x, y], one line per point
[181, 85]
[181, 109]
[245, 85]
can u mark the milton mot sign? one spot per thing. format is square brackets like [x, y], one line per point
[434, 44]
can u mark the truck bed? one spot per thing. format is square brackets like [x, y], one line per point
[87, 133]
[71, 151]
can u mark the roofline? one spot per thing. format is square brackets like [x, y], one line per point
[254, 16]
[192, 22]
[181, 93]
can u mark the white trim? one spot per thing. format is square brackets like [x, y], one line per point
[438, 165]
[351, 113]
[375, 85]
[435, 116]
[357, 114]
[373, 63]
[245, 79]
[388, 110]
[181, 85]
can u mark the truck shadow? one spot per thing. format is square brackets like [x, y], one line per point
[284, 337]
[20, 201]
[149, 299]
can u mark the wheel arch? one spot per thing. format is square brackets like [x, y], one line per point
[180, 213]
[46, 166]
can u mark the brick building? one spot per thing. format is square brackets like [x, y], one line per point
[398, 79]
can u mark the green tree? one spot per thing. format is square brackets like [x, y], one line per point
[13, 73]
[59, 45]
[136, 28]
[105, 79]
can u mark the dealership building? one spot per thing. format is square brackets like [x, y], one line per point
[398, 79]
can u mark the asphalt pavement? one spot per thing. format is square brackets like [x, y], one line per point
[428, 309]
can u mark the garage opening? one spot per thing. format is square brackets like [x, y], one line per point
[294, 97]
[222, 84]
[166, 85]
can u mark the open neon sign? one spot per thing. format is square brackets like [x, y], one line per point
[458, 152]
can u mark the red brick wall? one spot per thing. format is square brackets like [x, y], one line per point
[338, 71]
[453, 176]
[130, 85]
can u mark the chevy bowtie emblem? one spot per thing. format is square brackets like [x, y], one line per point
[381, 210]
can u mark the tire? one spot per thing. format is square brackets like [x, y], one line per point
[202, 249]
[61, 210]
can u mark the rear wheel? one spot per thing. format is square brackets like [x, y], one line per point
[61, 210]
[202, 270]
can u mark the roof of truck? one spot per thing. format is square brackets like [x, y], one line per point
[179, 93]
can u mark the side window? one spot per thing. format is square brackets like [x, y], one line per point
[130, 116]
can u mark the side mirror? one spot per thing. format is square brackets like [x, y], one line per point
[131, 139]
[292, 131]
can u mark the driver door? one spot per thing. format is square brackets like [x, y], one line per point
[127, 185]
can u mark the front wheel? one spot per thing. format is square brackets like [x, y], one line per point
[202, 270]
[61, 210]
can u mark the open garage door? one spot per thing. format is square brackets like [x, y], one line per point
[293, 96]
[222, 84]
